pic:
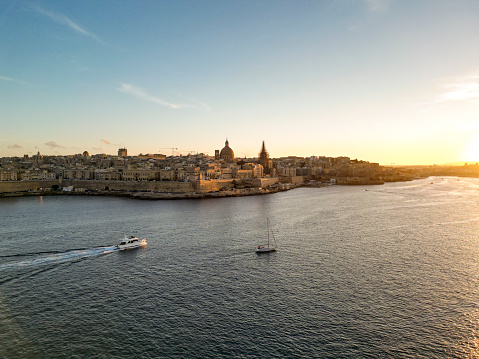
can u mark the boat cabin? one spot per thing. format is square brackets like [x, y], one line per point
[131, 239]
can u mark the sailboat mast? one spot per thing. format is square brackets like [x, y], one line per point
[267, 221]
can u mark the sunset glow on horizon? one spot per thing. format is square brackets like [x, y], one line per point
[385, 81]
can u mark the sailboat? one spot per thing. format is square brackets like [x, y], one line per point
[268, 247]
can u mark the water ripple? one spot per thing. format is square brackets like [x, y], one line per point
[388, 272]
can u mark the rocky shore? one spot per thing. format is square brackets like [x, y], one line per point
[155, 195]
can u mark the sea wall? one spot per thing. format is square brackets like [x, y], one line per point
[201, 186]
[204, 186]
[265, 182]
[160, 186]
[292, 179]
[24, 186]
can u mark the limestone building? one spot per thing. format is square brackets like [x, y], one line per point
[264, 160]
[227, 153]
[122, 152]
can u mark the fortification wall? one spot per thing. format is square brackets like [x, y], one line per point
[204, 186]
[265, 182]
[23, 186]
[292, 179]
[165, 186]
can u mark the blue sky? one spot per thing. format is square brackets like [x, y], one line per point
[385, 81]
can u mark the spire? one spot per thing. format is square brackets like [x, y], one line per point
[263, 154]
[264, 159]
[263, 148]
[227, 143]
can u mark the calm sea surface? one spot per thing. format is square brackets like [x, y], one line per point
[386, 271]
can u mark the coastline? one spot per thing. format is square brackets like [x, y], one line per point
[155, 195]
[162, 195]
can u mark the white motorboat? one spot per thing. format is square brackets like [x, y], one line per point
[267, 248]
[131, 242]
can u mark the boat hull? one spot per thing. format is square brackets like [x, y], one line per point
[265, 249]
[123, 247]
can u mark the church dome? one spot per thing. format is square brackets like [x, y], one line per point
[227, 153]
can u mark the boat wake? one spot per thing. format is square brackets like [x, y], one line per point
[42, 258]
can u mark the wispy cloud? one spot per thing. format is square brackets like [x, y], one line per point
[377, 5]
[53, 144]
[64, 20]
[375, 8]
[109, 143]
[143, 95]
[461, 89]
[15, 146]
[4, 78]
[194, 104]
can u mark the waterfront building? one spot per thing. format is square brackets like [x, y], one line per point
[107, 175]
[257, 170]
[226, 173]
[181, 174]
[80, 173]
[35, 175]
[286, 171]
[167, 174]
[193, 173]
[85, 173]
[244, 174]
[139, 174]
[8, 174]
[69, 173]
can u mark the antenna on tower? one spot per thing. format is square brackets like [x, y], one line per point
[170, 148]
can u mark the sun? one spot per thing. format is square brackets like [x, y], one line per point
[471, 152]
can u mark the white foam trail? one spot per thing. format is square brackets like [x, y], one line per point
[59, 257]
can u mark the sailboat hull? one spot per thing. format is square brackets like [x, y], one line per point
[265, 249]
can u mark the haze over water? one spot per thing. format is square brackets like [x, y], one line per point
[379, 271]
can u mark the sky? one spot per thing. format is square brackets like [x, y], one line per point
[388, 81]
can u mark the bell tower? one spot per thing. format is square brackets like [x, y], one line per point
[264, 159]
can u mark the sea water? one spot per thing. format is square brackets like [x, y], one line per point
[387, 271]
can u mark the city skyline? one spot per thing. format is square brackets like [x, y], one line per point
[381, 80]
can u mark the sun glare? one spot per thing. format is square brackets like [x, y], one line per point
[471, 153]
